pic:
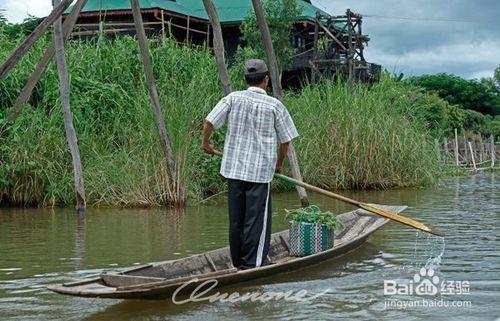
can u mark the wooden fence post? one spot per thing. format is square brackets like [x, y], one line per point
[492, 141]
[472, 156]
[218, 46]
[438, 149]
[25, 94]
[155, 100]
[481, 149]
[456, 148]
[466, 158]
[278, 91]
[33, 37]
[64, 87]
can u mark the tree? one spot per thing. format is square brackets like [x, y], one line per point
[496, 77]
[3, 20]
[468, 94]
[22, 29]
[280, 16]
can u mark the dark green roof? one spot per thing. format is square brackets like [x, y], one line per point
[230, 11]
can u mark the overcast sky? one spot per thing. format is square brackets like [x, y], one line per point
[410, 36]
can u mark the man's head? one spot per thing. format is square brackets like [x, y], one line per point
[256, 73]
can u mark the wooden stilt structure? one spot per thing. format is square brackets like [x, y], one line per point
[155, 101]
[64, 87]
[339, 45]
[218, 45]
[314, 68]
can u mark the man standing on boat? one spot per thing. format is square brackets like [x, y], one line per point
[255, 123]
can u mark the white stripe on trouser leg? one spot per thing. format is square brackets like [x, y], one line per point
[260, 249]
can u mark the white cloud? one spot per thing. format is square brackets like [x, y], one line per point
[467, 60]
[469, 49]
[17, 10]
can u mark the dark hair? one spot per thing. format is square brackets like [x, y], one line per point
[255, 79]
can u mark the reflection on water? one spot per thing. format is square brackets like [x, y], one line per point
[43, 246]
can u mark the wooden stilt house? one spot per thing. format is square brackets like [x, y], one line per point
[326, 45]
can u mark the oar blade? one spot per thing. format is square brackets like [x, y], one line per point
[437, 232]
[402, 219]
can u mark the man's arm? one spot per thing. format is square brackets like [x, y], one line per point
[286, 131]
[281, 156]
[207, 132]
[215, 119]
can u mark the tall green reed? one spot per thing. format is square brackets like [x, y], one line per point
[350, 135]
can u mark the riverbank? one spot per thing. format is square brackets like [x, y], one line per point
[352, 136]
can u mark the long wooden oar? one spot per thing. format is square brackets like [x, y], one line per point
[367, 207]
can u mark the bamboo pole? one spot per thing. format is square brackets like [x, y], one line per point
[472, 156]
[25, 94]
[456, 148]
[64, 87]
[33, 37]
[218, 43]
[278, 91]
[155, 100]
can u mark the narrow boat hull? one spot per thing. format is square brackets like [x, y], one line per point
[161, 280]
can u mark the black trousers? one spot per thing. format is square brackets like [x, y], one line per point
[250, 219]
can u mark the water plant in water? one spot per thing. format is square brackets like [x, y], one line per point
[313, 214]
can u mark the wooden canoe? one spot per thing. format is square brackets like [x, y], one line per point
[160, 280]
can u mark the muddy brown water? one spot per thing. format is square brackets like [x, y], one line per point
[39, 247]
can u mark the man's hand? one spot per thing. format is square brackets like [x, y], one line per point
[208, 148]
[283, 150]
[206, 145]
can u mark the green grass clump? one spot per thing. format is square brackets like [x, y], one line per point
[355, 136]
[313, 214]
[351, 136]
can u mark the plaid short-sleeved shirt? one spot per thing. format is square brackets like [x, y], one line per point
[255, 121]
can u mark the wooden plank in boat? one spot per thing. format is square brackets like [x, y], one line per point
[357, 228]
[118, 280]
[98, 278]
[82, 282]
[178, 280]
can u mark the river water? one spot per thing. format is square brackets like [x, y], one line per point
[39, 247]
